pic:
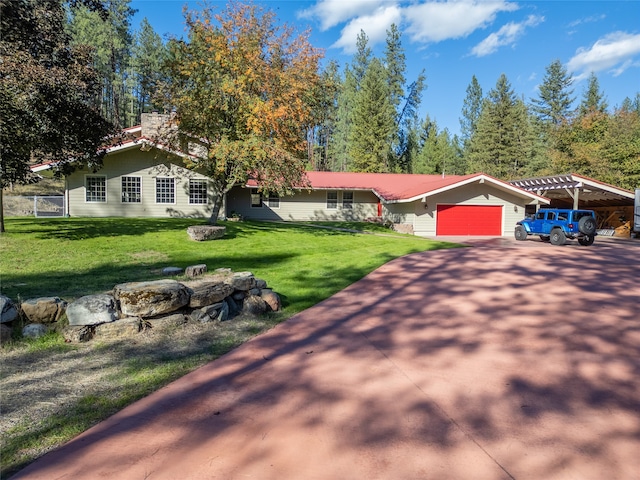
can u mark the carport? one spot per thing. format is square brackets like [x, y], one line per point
[613, 205]
[575, 191]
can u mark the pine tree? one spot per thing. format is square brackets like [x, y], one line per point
[362, 57]
[436, 153]
[501, 143]
[111, 38]
[320, 136]
[406, 105]
[593, 99]
[554, 102]
[629, 105]
[471, 109]
[339, 147]
[148, 56]
[373, 122]
[395, 65]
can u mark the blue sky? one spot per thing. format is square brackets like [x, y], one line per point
[454, 40]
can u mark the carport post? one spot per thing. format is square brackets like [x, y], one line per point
[574, 195]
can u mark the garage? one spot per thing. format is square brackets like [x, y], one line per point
[469, 220]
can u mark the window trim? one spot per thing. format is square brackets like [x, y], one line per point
[330, 206]
[273, 197]
[202, 182]
[122, 200]
[86, 191]
[348, 204]
[255, 191]
[174, 190]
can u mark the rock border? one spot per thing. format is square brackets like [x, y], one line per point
[134, 307]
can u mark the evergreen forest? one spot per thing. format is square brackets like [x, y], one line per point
[369, 117]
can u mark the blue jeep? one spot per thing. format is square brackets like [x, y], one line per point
[555, 225]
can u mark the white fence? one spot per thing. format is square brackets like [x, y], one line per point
[38, 206]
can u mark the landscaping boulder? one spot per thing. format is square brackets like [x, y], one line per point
[234, 309]
[208, 292]
[172, 271]
[92, 310]
[34, 330]
[78, 334]
[272, 299]
[243, 281]
[166, 322]
[218, 311]
[149, 299]
[123, 328]
[5, 333]
[254, 305]
[195, 270]
[8, 310]
[44, 309]
[201, 233]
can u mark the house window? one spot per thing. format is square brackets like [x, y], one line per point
[256, 198]
[273, 200]
[347, 200]
[198, 192]
[332, 199]
[96, 188]
[165, 190]
[131, 189]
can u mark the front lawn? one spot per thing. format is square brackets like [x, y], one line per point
[77, 256]
[71, 257]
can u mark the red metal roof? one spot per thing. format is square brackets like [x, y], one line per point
[398, 187]
[388, 186]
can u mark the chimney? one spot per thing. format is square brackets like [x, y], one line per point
[152, 122]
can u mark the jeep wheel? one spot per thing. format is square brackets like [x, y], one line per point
[557, 237]
[520, 233]
[586, 240]
[544, 238]
[587, 225]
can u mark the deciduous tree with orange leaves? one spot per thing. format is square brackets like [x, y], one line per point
[243, 87]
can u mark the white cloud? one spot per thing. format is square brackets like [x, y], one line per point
[375, 26]
[438, 21]
[334, 12]
[591, 19]
[507, 35]
[424, 21]
[616, 49]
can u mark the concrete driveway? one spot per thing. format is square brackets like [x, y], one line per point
[501, 361]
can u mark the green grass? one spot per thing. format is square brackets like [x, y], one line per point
[72, 257]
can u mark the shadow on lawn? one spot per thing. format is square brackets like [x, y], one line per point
[465, 363]
[76, 228]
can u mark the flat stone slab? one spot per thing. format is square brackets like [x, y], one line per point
[44, 309]
[92, 310]
[195, 270]
[148, 299]
[201, 233]
[172, 271]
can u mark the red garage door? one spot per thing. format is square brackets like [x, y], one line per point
[469, 220]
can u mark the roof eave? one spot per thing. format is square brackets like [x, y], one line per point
[481, 178]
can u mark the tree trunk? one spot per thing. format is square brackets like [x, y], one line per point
[215, 211]
[1, 210]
